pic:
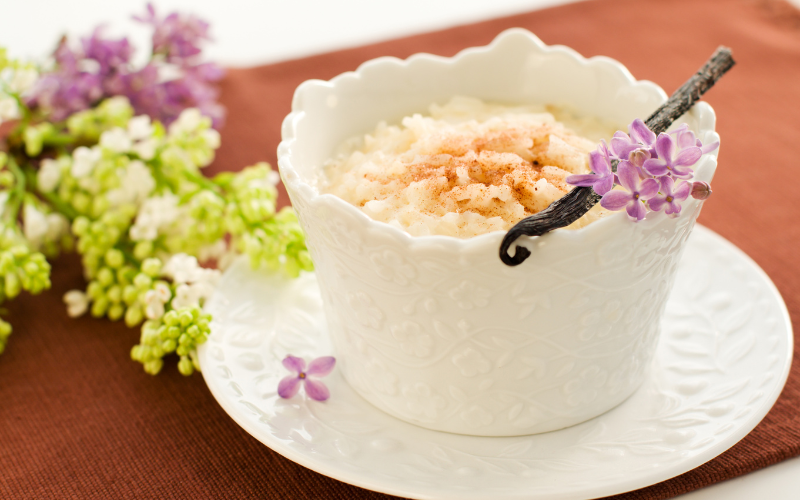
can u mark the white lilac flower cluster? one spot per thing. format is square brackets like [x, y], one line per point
[128, 194]
[142, 213]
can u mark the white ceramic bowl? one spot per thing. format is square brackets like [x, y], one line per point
[437, 331]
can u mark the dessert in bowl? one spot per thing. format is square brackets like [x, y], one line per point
[435, 329]
[468, 169]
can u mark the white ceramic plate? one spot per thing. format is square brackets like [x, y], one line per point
[722, 361]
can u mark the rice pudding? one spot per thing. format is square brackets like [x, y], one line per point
[467, 168]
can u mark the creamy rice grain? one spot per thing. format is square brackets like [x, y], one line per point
[467, 169]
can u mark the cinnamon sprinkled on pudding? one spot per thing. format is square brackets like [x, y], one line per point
[467, 169]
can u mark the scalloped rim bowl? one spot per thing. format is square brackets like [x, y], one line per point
[306, 144]
[435, 330]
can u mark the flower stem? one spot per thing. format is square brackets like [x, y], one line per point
[18, 194]
[203, 181]
[59, 204]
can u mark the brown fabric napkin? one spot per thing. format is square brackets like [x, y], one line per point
[78, 419]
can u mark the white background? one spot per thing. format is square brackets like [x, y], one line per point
[255, 32]
[250, 32]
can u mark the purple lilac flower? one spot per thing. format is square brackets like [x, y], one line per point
[640, 137]
[653, 169]
[100, 68]
[316, 390]
[77, 84]
[671, 159]
[638, 191]
[686, 138]
[602, 179]
[111, 55]
[164, 100]
[177, 36]
[670, 196]
[193, 86]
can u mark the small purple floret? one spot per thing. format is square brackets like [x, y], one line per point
[289, 386]
[602, 178]
[686, 138]
[640, 133]
[640, 137]
[672, 160]
[670, 196]
[638, 191]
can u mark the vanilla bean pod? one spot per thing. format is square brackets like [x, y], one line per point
[580, 200]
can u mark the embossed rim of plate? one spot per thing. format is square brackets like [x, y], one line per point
[240, 415]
